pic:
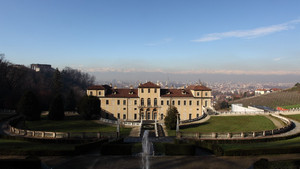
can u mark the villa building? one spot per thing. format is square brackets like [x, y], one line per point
[149, 101]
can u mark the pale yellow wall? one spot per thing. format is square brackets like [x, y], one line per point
[98, 93]
[129, 109]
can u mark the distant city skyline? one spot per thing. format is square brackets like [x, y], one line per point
[155, 38]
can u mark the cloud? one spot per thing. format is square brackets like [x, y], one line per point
[251, 33]
[161, 42]
[276, 59]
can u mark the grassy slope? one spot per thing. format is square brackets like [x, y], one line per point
[284, 98]
[294, 142]
[231, 124]
[71, 124]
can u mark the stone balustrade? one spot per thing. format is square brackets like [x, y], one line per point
[60, 135]
[115, 122]
[239, 135]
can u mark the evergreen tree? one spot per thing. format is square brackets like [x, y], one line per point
[57, 82]
[56, 111]
[29, 107]
[171, 118]
[89, 107]
[70, 101]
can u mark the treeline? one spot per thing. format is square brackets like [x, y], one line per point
[15, 80]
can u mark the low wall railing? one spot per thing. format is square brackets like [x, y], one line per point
[54, 135]
[238, 135]
[115, 122]
[61, 135]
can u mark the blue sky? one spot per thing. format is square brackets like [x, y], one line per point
[213, 36]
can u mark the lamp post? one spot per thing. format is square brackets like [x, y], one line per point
[118, 129]
[177, 124]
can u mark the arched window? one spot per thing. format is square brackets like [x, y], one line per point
[148, 101]
[142, 102]
[155, 101]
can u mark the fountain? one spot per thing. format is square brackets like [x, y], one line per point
[147, 150]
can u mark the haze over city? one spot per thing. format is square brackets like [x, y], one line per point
[156, 40]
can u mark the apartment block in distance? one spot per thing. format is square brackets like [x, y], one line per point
[149, 101]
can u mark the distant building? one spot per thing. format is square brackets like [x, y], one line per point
[40, 67]
[238, 108]
[260, 91]
[265, 91]
[150, 102]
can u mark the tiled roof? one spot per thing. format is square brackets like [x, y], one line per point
[198, 88]
[175, 93]
[148, 85]
[122, 93]
[96, 87]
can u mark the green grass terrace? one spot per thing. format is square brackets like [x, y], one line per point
[274, 147]
[230, 124]
[72, 124]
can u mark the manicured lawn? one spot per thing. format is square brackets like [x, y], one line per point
[230, 124]
[23, 146]
[295, 117]
[72, 124]
[233, 124]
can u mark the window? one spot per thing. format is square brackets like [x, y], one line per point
[190, 102]
[178, 102]
[118, 102]
[155, 116]
[142, 90]
[135, 102]
[205, 105]
[148, 102]
[91, 93]
[168, 102]
[124, 108]
[162, 102]
[118, 115]
[142, 101]
[155, 90]
[99, 92]
[155, 102]
[148, 90]
[197, 115]
[190, 116]
[107, 102]
[135, 116]
[184, 102]
[148, 115]
[124, 102]
[197, 102]
[124, 116]
[161, 116]
[205, 93]
[134, 108]
[173, 102]
[197, 93]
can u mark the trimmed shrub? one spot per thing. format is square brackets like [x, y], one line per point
[116, 149]
[82, 148]
[179, 149]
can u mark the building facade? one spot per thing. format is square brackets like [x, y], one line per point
[149, 101]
